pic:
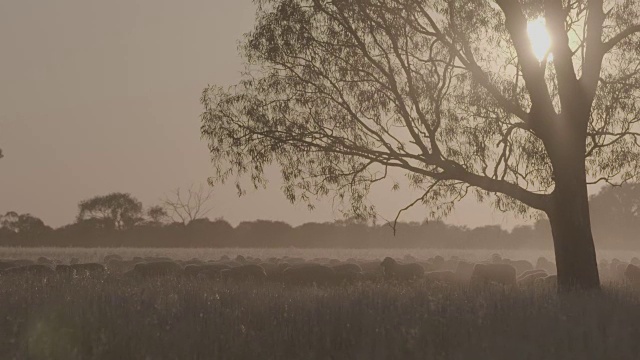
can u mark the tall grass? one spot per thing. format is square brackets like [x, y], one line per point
[196, 319]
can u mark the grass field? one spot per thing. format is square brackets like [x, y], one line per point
[97, 254]
[176, 318]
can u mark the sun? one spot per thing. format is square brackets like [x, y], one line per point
[539, 37]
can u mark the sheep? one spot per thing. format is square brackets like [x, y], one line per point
[546, 265]
[464, 270]
[44, 261]
[241, 259]
[110, 257]
[156, 268]
[437, 261]
[370, 266]
[74, 260]
[120, 266]
[205, 270]
[251, 272]
[549, 282]
[531, 272]
[530, 280]
[309, 274]
[521, 266]
[503, 274]
[444, 276]
[36, 269]
[347, 268]
[89, 269]
[632, 274]
[6, 265]
[635, 261]
[401, 271]
[65, 271]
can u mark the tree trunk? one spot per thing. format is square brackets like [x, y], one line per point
[571, 228]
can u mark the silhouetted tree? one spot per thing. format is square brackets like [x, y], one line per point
[26, 226]
[449, 92]
[190, 206]
[157, 214]
[117, 211]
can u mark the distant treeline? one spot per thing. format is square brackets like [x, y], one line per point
[119, 221]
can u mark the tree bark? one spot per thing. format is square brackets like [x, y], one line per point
[571, 225]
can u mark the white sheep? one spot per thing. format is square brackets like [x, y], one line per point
[503, 274]
[392, 269]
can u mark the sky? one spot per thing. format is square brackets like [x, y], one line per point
[103, 96]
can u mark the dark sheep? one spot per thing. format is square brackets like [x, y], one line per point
[309, 274]
[65, 271]
[530, 280]
[89, 269]
[531, 272]
[36, 270]
[442, 276]
[503, 274]
[632, 274]
[110, 257]
[210, 270]
[251, 272]
[464, 271]
[392, 269]
[157, 268]
[347, 268]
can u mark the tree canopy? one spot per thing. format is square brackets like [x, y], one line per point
[117, 211]
[449, 92]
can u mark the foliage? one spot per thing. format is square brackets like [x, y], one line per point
[340, 94]
[117, 211]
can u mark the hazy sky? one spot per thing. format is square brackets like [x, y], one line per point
[103, 96]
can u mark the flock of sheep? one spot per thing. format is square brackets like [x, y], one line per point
[323, 271]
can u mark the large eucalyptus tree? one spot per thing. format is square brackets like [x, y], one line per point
[454, 93]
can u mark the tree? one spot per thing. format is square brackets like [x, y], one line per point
[450, 93]
[25, 225]
[157, 214]
[192, 206]
[117, 211]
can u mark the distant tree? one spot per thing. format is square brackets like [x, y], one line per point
[23, 224]
[451, 93]
[191, 206]
[117, 211]
[157, 214]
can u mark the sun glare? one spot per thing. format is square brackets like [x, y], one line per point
[539, 37]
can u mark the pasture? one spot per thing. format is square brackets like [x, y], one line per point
[175, 317]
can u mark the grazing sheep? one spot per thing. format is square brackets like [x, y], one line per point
[401, 271]
[632, 274]
[549, 282]
[36, 269]
[530, 272]
[309, 274]
[437, 262]
[205, 270]
[521, 266]
[157, 268]
[620, 270]
[74, 260]
[546, 265]
[635, 261]
[251, 272]
[110, 257]
[65, 271]
[503, 274]
[530, 280]
[442, 276]
[496, 258]
[44, 261]
[22, 262]
[347, 268]
[6, 265]
[370, 266]
[464, 270]
[241, 259]
[89, 269]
